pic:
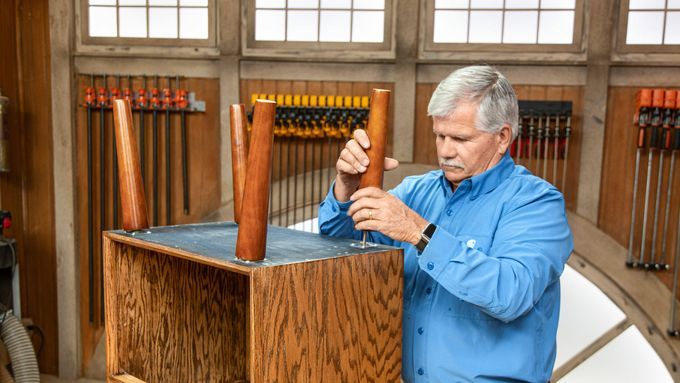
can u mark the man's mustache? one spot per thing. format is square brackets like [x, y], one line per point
[450, 162]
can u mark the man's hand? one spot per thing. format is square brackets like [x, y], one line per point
[352, 162]
[377, 210]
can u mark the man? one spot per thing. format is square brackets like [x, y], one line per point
[485, 241]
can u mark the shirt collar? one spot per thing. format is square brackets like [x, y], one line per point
[486, 181]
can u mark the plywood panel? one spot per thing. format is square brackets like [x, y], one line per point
[618, 171]
[173, 319]
[298, 306]
[424, 140]
[203, 176]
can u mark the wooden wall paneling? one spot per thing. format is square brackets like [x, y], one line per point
[575, 94]
[203, 172]
[28, 189]
[423, 138]
[618, 169]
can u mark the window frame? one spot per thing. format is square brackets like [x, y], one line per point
[622, 33]
[315, 49]
[86, 39]
[429, 46]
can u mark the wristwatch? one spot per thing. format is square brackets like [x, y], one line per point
[425, 237]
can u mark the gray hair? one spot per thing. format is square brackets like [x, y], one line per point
[483, 85]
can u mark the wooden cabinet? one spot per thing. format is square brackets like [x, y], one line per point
[180, 307]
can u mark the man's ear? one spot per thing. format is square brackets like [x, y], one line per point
[504, 138]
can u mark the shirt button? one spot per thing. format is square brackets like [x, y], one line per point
[430, 265]
[420, 330]
[420, 371]
[449, 212]
[428, 290]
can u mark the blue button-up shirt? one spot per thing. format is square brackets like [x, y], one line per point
[481, 303]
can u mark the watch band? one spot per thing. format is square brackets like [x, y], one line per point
[425, 237]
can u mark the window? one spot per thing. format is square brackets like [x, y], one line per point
[148, 22]
[653, 22]
[321, 24]
[536, 25]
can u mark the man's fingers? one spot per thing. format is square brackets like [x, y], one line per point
[371, 191]
[391, 163]
[364, 203]
[368, 225]
[362, 138]
[358, 153]
[343, 167]
[347, 156]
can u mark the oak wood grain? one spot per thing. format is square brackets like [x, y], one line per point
[330, 317]
[335, 321]
[125, 378]
[169, 319]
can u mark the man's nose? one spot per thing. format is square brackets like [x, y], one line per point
[448, 148]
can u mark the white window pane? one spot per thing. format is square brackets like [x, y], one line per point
[303, 3]
[369, 4]
[558, 4]
[270, 3]
[450, 27]
[485, 26]
[556, 27]
[526, 4]
[520, 27]
[302, 25]
[132, 22]
[336, 4]
[673, 4]
[102, 2]
[132, 2]
[163, 22]
[451, 4]
[102, 21]
[644, 28]
[270, 25]
[335, 26]
[672, 28]
[159, 2]
[368, 27]
[194, 3]
[193, 23]
[646, 4]
[481, 4]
